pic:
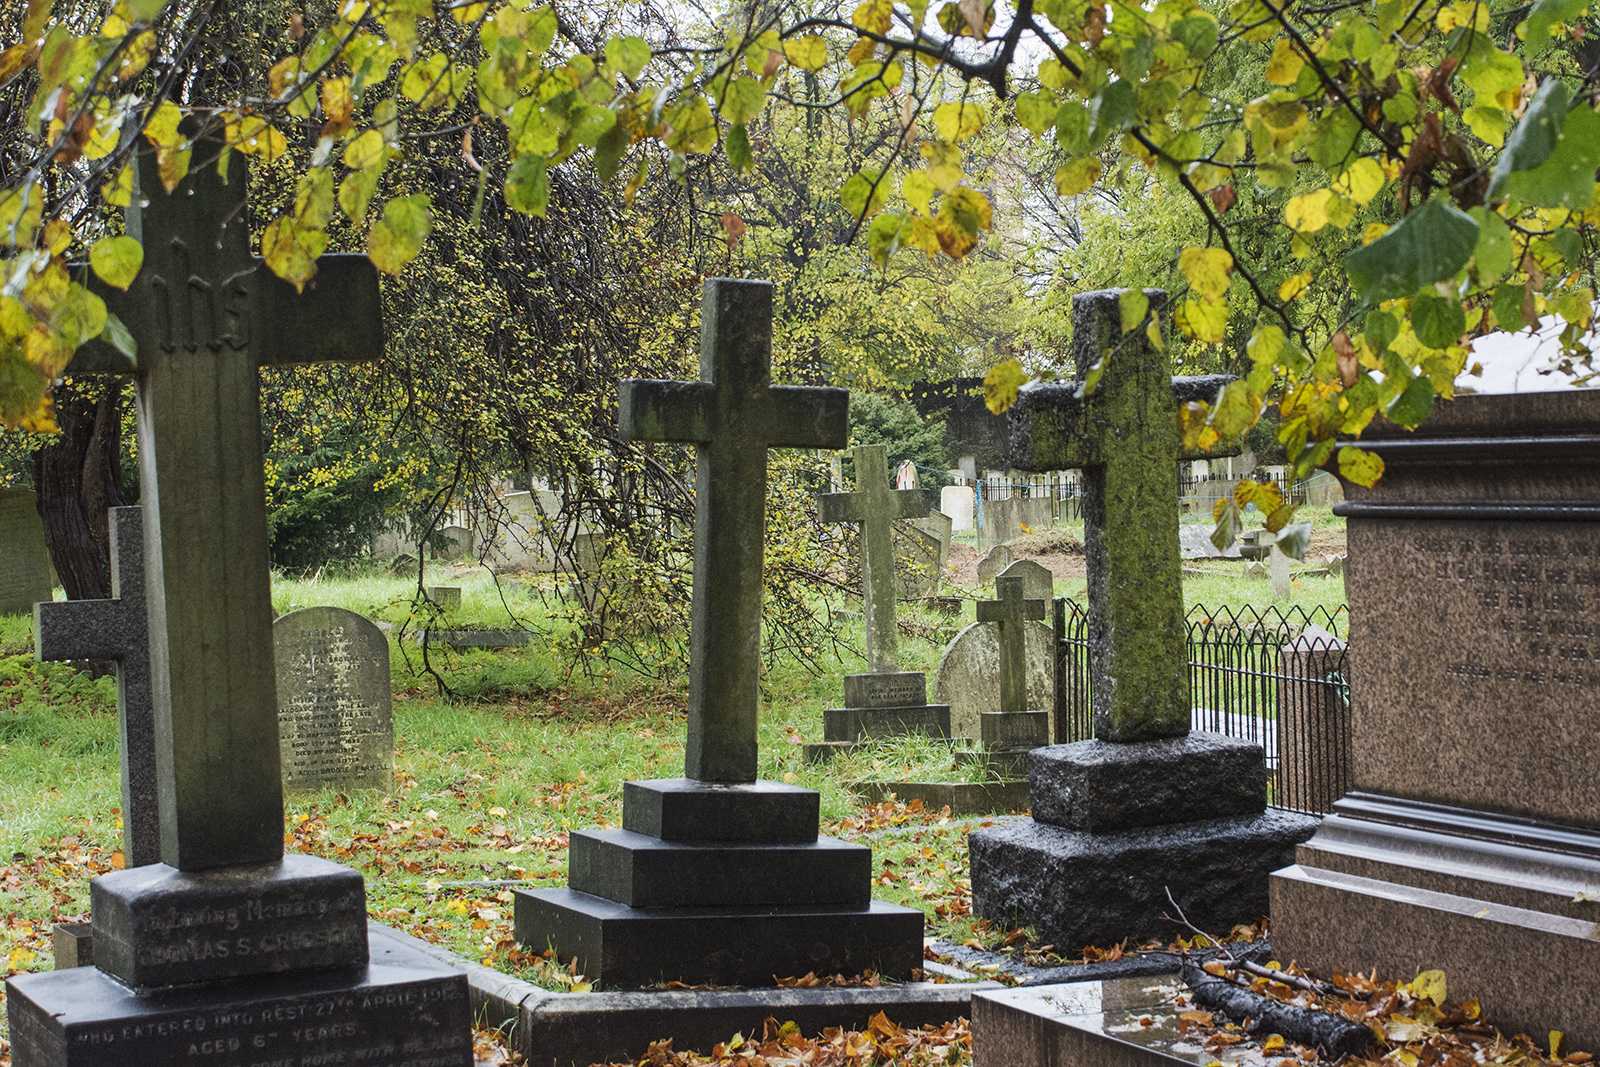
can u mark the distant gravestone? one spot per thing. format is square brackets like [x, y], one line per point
[24, 559]
[922, 550]
[457, 542]
[957, 502]
[1194, 542]
[968, 677]
[445, 597]
[335, 725]
[999, 558]
[1037, 582]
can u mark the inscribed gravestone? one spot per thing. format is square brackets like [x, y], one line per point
[24, 559]
[968, 676]
[260, 936]
[335, 724]
[117, 629]
[1474, 591]
[1037, 581]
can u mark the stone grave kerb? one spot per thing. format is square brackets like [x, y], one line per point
[206, 316]
[1123, 435]
[874, 506]
[1011, 613]
[115, 629]
[732, 416]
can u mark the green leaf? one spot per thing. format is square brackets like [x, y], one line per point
[737, 146]
[1037, 111]
[1414, 403]
[1508, 303]
[1332, 138]
[1133, 304]
[1360, 466]
[743, 101]
[1236, 410]
[628, 54]
[613, 144]
[1072, 127]
[1430, 244]
[1544, 14]
[365, 151]
[1380, 329]
[1492, 255]
[590, 122]
[355, 193]
[146, 10]
[693, 128]
[528, 186]
[885, 236]
[1437, 320]
[1114, 108]
[1566, 178]
[117, 260]
[118, 336]
[1535, 137]
[1226, 516]
[1490, 71]
[1487, 123]
[918, 190]
[862, 194]
[396, 238]
[1295, 540]
[1198, 34]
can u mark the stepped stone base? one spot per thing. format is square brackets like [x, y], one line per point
[1079, 889]
[1498, 903]
[404, 1007]
[619, 946]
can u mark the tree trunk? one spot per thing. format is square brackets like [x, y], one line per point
[77, 477]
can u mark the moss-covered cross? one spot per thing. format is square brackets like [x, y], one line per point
[1012, 612]
[1124, 436]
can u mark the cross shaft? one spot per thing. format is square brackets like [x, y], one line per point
[1011, 612]
[731, 416]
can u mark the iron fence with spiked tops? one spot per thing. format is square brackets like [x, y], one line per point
[1279, 677]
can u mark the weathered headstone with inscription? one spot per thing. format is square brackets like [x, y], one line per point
[718, 877]
[24, 559]
[335, 723]
[264, 945]
[1470, 839]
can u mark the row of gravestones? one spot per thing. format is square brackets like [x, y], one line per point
[719, 858]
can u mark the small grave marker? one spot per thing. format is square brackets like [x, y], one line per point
[1037, 581]
[1013, 730]
[335, 724]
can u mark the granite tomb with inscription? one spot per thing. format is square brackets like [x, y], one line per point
[1470, 839]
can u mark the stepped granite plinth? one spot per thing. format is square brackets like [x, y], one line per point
[725, 884]
[1115, 827]
[880, 705]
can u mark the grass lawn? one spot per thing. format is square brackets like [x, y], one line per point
[489, 781]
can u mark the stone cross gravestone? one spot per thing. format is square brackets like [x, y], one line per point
[1474, 590]
[1012, 730]
[718, 877]
[335, 723]
[885, 701]
[1146, 806]
[115, 629]
[226, 914]
[24, 559]
[968, 676]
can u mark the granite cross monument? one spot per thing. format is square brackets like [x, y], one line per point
[718, 877]
[1146, 806]
[260, 942]
[1013, 730]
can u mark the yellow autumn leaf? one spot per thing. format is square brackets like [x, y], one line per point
[1429, 985]
[1294, 286]
[1361, 182]
[1308, 213]
[117, 260]
[1203, 320]
[808, 53]
[1001, 384]
[958, 120]
[1273, 1041]
[1284, 66]
[1132, 306]
[1208, 270]
[1076, 177]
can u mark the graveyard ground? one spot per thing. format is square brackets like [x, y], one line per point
[491, 779]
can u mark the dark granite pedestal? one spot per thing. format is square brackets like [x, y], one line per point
[1116, 827]
[720, 884]
[266, 963]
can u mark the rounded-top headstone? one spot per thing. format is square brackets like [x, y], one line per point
[968, 677]
[457, 542]
[999, 558]
[335, 722]
[1037, 581]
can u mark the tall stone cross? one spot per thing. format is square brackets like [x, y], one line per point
[732, 415]
[875, 506]
[206, 316]
[1124, 436]
[115, 629]
[1012, 612]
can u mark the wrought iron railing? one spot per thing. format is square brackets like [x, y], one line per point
[1275, 676]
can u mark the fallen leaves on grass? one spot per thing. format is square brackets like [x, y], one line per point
[884, 816]
[881, 1043]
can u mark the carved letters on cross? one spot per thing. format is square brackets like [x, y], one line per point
[188, 312]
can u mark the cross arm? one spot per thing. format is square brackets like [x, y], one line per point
[1051, 428]
[843, 507]
[75, 629]
[655, 409]
[803, 416]
[910, 504]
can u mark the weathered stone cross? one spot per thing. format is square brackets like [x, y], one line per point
[732, 416]
[115, 629]
[875, 506]
[1012, 612]
[207, 316]
[1124, 436]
